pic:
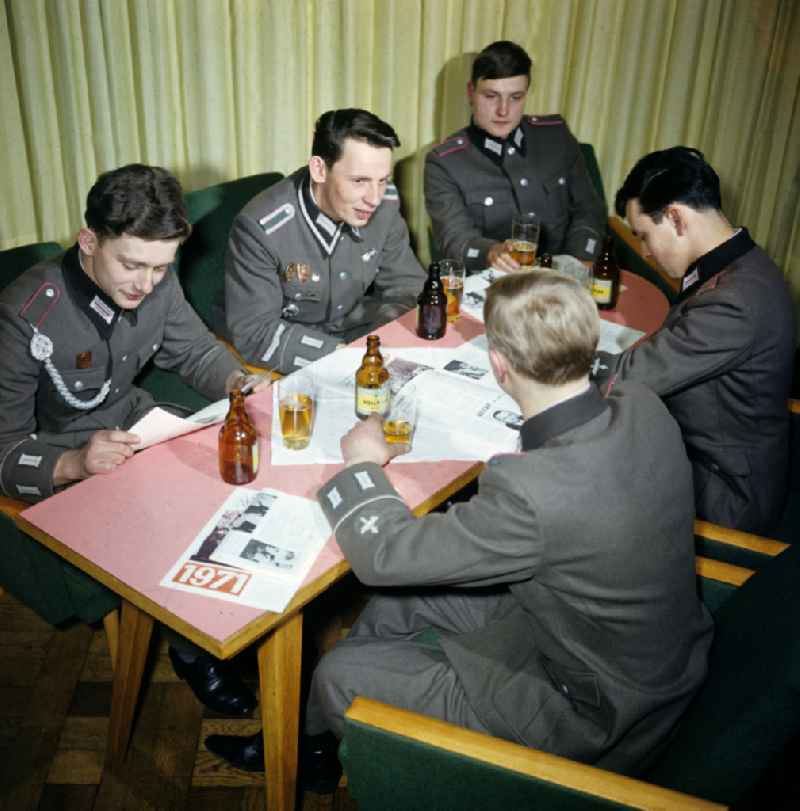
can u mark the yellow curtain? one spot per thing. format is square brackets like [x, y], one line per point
[217, 89]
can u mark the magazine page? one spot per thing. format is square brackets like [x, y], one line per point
[159, 425]
[246, 554]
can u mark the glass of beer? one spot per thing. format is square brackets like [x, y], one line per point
[400, 421]
[452, 276]
[524, 238]
[297, 404]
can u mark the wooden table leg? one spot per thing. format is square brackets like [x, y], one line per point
[279, 659]
[136, 627]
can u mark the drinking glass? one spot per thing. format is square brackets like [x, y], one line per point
[400, 421]
[297, 406]
[524, 238]
[452, 276]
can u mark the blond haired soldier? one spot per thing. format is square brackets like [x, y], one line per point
[563, 605]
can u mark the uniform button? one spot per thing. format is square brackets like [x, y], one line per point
[343, 274]
[315, 277]
[124, 358]
[715, 467]
[511, 150]
[561, 181]
[523, 181]
[78, 385]
[489, 201]
[565, 689]
[155, 347]
[49, 292]
[116, 391]
[340, 306]
[298, 296]
[460, 141]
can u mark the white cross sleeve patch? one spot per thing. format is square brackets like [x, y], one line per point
[369, 524]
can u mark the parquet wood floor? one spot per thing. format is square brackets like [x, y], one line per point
[55, 693]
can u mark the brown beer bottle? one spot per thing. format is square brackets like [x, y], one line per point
[372, 382]
[432, 312]
[605, 273]
[238, 443]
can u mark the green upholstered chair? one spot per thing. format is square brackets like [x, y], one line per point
[201, 269]
[733, 732]
[16, 260]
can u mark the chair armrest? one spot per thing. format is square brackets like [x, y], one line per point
[250, 367]
[739, 539]
[711, 569]
[626, 235]
[12, 507]
[531, 762]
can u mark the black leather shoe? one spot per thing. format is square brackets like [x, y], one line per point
[218, 689]
[246, 753]
[320, 768]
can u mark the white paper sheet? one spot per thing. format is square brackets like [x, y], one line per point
[255, 550]
[159, 425]
[616, 338]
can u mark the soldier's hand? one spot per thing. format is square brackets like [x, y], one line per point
[105, 451]
[365, 442]
[248, 383]
[499, 258]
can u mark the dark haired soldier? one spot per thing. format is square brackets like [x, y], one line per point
[322, 257]
[722, 361]
[504, 163]
[77, 329]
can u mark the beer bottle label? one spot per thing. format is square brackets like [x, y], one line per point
[601, 290]
[372, 401]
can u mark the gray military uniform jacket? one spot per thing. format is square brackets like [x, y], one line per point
[608, 640]
[93, 342]
[296, 282]
[475, 183]
[722, 362]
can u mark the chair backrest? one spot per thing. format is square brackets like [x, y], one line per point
[201, 260]
[749, 706]
[201, 270]
[590, 159]
[15, 261]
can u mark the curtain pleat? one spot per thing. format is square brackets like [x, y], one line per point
[217, 89]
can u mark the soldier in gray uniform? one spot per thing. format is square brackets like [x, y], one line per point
[564, 606]
[77, 329]
[322, 257]
[722, 360]
[505, 163]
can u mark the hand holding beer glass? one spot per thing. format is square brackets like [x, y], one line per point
[400, 421]
[297, 404]
[524, 238]
[451, 272]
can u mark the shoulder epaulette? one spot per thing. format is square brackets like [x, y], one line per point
[276, 219]
[38, 306]
[553, 120]
[456, 143]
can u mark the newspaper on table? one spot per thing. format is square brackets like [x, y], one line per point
[462, 412]
[614, 338]
[159, 425]
[255, 550]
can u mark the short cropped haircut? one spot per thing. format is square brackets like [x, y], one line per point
[501, 60]
[137, 200]
[333, 127]
[544, 324]
[676, 175]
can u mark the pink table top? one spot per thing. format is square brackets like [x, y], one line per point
[135, 522]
